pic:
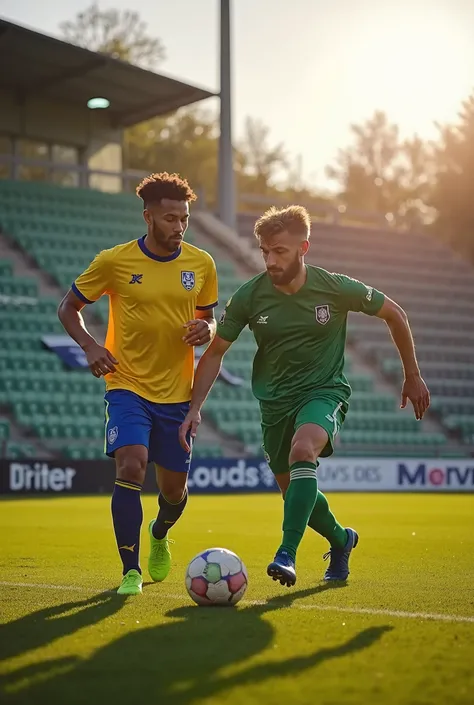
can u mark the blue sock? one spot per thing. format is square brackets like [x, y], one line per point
[127, 514]
[168, 515]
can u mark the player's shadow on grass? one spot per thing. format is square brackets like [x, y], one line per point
[183, 660]
[44, 626]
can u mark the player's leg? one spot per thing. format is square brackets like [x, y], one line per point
[299, 487]
[172, 499]
[329, 414]
[172, 465]
[322, 520]
[127, 513]
[127, 434]
[325, 524]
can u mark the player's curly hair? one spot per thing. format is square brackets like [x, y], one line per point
[295, 219]
[155, 187]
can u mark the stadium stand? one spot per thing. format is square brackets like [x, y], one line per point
[62, 229]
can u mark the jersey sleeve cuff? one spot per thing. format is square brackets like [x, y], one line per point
[205, 308]
[379, 301]
[80, 295]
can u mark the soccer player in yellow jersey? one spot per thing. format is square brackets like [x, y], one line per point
[162, 293]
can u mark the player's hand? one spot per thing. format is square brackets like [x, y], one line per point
[415, 389]
[199, 332]
[100, 360]
[190, 424]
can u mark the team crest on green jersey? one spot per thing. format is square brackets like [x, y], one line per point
[322, 314]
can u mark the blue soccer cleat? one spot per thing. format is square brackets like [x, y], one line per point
[283, 569]
[338, 568]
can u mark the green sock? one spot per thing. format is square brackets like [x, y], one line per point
[324, 522]
[299, 503]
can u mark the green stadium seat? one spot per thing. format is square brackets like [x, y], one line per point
[6, 268]
[371, 401]
[18, 286]
[4, 429]
[391, 422]
[384, 438]
[446, 405]
[202, 450]
[85, 451]
[17, 450]
[360, 383]
[463, 423]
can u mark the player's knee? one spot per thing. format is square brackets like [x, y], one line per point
[174, 488]
[303, 451]
[131, 468]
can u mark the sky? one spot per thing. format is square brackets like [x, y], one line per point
[307, 68]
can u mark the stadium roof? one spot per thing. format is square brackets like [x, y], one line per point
[37, 65]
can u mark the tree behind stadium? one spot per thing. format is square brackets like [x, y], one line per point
[381, 173]
[453, 192]
[119, 34]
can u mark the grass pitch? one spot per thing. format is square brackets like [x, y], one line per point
[401, 631]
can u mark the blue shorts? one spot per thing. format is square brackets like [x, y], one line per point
[132, 420]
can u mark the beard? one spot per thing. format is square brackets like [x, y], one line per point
[168, 242]
[282, 277]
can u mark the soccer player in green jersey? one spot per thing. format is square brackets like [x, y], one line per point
[298, 315]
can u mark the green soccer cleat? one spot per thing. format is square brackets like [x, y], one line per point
[159, 562]
[131, 583]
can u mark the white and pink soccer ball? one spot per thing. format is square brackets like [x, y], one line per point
[216, 577]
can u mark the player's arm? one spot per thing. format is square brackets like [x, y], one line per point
[231, 323]
[203, 328]
[357, 296]
[414, 387]
[207, 372]
[87, 288]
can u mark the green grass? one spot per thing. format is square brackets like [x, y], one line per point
[83, 644]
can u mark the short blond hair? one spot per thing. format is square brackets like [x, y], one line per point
[294, 219]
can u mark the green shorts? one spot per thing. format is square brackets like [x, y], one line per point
[325, 412]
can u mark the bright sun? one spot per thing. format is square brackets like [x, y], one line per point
[413, 68]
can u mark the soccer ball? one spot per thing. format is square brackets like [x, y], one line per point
[216, 577]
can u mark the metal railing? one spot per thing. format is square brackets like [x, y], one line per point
[125, 180]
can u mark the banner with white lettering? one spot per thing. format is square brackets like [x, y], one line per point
[207, 476]
[396, 475]
[245, 475]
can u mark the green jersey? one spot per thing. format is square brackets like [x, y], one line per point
[300, 337]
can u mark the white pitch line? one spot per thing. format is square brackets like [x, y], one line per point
[390, 613]
[254, 603]
[373, 611]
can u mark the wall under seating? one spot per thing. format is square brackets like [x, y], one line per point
[239, 475]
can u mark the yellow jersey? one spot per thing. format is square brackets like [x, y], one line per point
[150, 299]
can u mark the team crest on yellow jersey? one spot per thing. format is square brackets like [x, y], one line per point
[188, 280]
